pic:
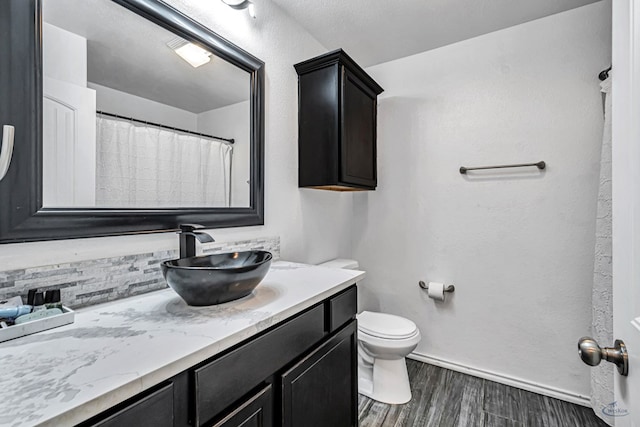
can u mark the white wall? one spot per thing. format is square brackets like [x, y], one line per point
[232, 121]
[64, 55]
[123, 103]
[313, 225]
[518, 244]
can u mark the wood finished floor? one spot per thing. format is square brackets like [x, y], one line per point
[446, 398]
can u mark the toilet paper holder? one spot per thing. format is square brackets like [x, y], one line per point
[448, 288]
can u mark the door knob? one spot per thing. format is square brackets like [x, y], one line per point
[591, 354]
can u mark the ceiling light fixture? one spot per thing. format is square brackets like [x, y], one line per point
[194, 55]
[241, 5]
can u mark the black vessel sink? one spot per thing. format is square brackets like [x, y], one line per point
[214, 279]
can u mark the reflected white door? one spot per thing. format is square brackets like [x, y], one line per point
[68, 145]
[626, 204]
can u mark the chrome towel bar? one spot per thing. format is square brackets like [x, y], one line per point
[539, 165]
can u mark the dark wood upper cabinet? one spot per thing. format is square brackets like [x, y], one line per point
[337, 104]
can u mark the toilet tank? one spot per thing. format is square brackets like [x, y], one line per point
[347, 264]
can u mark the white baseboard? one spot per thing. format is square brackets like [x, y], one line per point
[504, 379]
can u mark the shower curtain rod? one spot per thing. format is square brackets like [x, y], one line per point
[104, 113]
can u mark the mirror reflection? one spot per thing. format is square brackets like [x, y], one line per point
[136, 117]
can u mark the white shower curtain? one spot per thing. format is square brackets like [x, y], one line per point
[148, 167]
[602, 297]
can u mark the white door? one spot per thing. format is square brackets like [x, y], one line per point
[625, 121]
[68, 145]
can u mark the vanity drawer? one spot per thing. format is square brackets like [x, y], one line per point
[223, 381]
[153, 410]
[255, 411]
[342, 308]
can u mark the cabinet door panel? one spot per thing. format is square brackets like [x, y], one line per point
[359, 133]
[154, 410]
[321, 390]
[257, 411]
[318, 130]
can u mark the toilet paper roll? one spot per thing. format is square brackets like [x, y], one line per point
[436, 291]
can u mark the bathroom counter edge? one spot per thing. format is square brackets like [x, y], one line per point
[116, 350]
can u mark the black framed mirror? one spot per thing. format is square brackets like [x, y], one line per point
[29, 212]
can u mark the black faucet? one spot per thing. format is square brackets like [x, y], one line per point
[188, 236]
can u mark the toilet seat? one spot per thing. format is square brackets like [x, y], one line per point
[389, 344]
[386, 326]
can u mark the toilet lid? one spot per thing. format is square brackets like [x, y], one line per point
[385, 325]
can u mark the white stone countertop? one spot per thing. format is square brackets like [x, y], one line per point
[116, 350]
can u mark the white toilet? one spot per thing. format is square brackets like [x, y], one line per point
[384, 340]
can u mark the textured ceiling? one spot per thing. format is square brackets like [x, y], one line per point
[129, 53]
[376, 31]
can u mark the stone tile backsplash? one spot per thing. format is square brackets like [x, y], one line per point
[90, 282]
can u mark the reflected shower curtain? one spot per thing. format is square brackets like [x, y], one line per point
[147, 167]
[602, 297]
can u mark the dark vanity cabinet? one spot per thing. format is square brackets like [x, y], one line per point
[301, 372]
[321, 390]
[337, 107]
[257, 411]
[151, 408]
